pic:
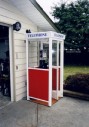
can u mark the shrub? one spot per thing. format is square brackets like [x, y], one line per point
[77, 83]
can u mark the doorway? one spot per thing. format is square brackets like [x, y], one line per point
[5, 86]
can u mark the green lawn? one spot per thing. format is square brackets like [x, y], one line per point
[71, 70]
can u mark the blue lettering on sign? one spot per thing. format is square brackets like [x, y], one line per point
[58, 35]
[38, 35]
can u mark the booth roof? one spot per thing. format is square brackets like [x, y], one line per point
[32, 10]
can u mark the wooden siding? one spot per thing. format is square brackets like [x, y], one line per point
[33, 54]
[9, 14]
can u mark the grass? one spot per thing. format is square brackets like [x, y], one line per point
[71, 70]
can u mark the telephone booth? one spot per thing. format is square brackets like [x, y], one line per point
[44, 51]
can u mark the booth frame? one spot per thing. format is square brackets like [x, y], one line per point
[51, 36]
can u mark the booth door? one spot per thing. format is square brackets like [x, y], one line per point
[55, 70]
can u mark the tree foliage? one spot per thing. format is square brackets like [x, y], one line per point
[73, 21]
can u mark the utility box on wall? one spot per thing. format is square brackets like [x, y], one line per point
[45, 79]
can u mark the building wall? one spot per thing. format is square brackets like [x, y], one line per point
[33, 54]
[9, 15]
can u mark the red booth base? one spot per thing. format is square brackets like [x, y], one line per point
[38, 83]
[38, 90]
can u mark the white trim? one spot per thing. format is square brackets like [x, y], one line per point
[34, 68]
[37, 99]
[11, 58]
[50, 71]
[57, 68]
[11, 63]
[3, 24]
[41, 47]
[38, 54]
[61, 69]
[27, 68]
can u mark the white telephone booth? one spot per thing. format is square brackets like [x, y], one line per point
[44, 52]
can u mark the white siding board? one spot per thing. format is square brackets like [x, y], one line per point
[33, 59]
[33, 64]
[19, 36]
[20, 85]
[21, 67]
[7, 20]
[33, 49]
[20, 43]
[20, 61]
[32, 44]
[32, 54]
[10, 14]
[20, 55]
[20, 73]
[21, 90]
[20, 96]
[22, 30]
[20, 49]
[29, 26]
[20, 79]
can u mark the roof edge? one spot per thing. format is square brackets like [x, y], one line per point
[38, 7]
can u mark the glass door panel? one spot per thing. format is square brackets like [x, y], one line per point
[54, 69]
[54, 54]
[59, 53]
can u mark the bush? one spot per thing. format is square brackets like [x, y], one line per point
[77, 83]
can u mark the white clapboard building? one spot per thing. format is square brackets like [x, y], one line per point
[31, 17]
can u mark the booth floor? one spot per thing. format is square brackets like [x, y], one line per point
[44, 103]
[67, 112]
